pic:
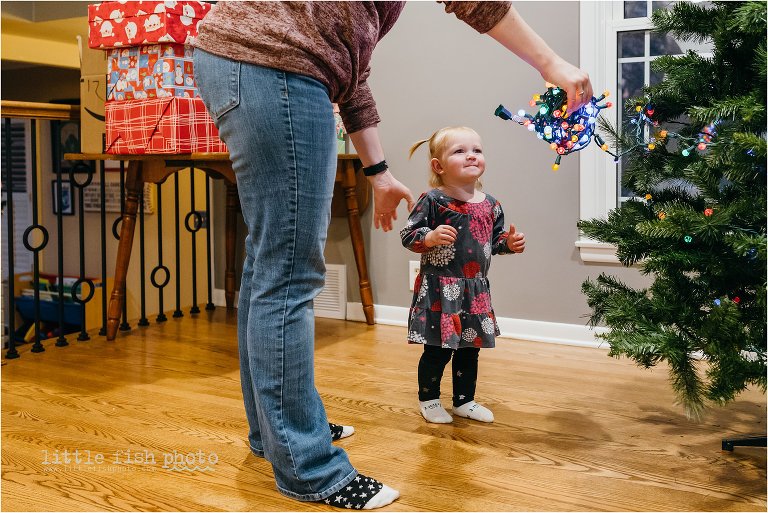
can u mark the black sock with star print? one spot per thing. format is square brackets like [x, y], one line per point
[338, 431]
[356, 494]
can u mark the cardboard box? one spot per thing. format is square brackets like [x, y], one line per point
[151, 71]
[116, 24]
[92, 62]
[161, 126]
[93, 90]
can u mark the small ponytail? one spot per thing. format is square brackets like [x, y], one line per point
[416, 147]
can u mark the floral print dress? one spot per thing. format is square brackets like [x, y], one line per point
[451, 305]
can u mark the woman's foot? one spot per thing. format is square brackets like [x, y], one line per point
[433, 411]
[474, 411]
[338, 431]
[362, 493]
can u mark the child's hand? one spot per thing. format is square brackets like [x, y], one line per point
[443, 235]
[515, 240]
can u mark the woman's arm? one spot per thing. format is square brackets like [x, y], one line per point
[518, 37]
[387, 190]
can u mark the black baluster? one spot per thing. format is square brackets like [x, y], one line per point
[177, 312]
[160, 267]
[143, 321]
[37, 347]
[80, 167]
[210, 305]
[124, 326]
[193, 230]
[12, 352]
[103, 218]
[61, 341]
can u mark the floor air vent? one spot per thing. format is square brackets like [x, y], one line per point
[332, 301]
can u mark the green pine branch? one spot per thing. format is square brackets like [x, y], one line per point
[700, 236]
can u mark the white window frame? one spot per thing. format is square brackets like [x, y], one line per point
[599, 25]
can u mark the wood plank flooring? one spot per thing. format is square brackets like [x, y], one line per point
[575, 430]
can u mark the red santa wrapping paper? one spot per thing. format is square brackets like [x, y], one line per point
[160, 126]
[132, 23]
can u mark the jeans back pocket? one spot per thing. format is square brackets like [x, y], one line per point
[218, 80]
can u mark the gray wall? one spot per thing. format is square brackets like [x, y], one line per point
[432, 70]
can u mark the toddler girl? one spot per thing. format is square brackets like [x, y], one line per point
[456, 227]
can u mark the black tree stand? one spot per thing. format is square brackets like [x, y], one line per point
[750, 441]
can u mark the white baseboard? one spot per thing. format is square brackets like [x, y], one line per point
[219, 299]
[521, 329]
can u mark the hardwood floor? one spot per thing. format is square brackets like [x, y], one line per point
[575, 430]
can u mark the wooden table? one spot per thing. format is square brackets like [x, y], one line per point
[156, 168]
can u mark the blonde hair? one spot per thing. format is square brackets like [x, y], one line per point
[437, 146]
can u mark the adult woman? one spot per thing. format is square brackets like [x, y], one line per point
[269, 73]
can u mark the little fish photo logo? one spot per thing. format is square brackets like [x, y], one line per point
[190, 461]
[133, 459]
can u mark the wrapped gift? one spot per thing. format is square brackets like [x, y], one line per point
[151, 71]
[160, 126]
[131, 23]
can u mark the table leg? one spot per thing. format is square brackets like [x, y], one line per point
[133, 184]
[230, 229]
[348, 183]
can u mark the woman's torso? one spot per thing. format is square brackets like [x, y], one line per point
[329, 41]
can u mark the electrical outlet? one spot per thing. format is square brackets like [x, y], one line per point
[413, 270]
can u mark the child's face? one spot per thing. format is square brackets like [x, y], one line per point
[462, 162]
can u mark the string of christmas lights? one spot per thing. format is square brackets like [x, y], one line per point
[647, 134]
[565, 132]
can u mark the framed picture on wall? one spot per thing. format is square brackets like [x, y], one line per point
[65, 137]
[67, 198]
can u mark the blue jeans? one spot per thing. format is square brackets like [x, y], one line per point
[280, 132]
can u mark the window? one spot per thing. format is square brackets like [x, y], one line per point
[616, 48]
[21, 177]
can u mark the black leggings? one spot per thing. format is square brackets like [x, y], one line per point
[431, 367]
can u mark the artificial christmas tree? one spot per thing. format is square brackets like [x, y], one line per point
[696, 160]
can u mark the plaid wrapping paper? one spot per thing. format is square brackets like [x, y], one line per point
[150, 71]
[160, 126]
[131, 23]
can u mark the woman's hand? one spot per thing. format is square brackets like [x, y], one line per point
[387, 193]
[443, 235]
[574, 81]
